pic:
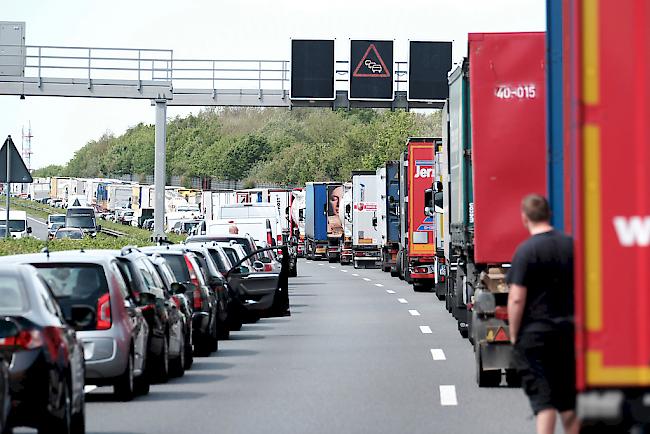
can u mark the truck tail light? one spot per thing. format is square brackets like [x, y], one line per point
[501, 312]
[501, 336]
[104, 312]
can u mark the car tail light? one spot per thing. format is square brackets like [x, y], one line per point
[268, 267]
[269, 237]
[104, 312]
[25, 339]
[194, 280]
[501, 312]
[279, 239]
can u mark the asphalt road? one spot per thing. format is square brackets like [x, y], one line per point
[354, 357]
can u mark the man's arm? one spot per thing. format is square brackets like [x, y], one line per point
[516, 303]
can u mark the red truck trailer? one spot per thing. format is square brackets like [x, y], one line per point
[496, 147]
[609, 137]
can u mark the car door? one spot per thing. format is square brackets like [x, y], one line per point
[139, 327]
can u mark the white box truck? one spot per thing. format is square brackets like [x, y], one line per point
[365, 220]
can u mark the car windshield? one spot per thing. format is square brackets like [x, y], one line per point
[56, 226]
[75, 284]
[72, 235]
[12, 294]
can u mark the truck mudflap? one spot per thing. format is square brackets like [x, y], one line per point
[622, 408]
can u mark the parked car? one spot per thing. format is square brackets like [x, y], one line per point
[204, 305]
[55, 218]
[246, 241]
[114, 332]
[184, 226]
[165, 330]
[46, 375]
[147, 224]
[177, 291]
[68, 234]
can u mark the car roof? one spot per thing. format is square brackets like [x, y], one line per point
[168, 248]
[67, 256]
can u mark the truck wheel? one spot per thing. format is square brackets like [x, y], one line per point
[485, 378]
[393, 272]
[463, 330]
[331, 259]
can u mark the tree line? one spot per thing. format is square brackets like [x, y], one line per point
[257, 145]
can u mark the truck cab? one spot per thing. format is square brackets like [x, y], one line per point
[18, 226]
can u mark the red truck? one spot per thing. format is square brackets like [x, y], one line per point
[417, 262]
[496, 154]
[607, 132]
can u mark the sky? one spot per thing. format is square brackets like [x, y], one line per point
[217, 29]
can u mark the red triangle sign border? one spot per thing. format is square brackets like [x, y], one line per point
[364, 57]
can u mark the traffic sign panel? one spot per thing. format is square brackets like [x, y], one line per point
[312, 69]
[429, 63]
[371, 70]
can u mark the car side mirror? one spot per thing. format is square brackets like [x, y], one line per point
[178, 288]
[244, 269]
[81, 316]
[215, 281]
[438, 201]
[258, 265]
[29, 229]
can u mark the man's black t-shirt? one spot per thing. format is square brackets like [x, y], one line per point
[544, 265]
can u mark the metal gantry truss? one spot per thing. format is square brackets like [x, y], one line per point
[154, 74]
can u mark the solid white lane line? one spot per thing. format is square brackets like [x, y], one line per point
[390, 291]
[88, 389]
[355, 274]
[438, 354]
[414, 312]
[402, 300]
[448, 395]
[344, 271]
[425, 330]
[379, 285]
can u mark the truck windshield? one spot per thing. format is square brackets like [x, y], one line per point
[84, 219]
[16, 225]
[57, 218]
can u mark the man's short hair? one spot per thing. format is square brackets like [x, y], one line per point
[536, 208]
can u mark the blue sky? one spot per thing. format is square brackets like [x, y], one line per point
[236, 29]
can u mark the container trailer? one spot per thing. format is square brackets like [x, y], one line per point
[365, 220]
[345, 214]
[389, 225]
[316, 220]
[334, 223]
[604, 191]
[495, 156]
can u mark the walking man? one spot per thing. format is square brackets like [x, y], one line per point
[540, 311]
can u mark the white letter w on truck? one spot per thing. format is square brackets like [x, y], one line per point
[633, 231]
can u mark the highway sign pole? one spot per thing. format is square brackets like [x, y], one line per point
[159, 171]
[8, 192]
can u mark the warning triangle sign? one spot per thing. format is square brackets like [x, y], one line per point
[18, 171]
[371, 65]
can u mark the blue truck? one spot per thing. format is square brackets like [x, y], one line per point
[390, 215]
[316, 220]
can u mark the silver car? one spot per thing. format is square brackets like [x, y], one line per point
[114, 336]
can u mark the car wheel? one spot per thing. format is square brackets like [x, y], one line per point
[214, 338]
[124, 386]
[79, 418]
[59, 424]
[162, 371]
[177, 365]
[224, 331]
[142, 385]
[189, 356]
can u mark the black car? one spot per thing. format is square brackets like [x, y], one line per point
[187, 271]
[46, 374]
[182, 302]
[165, 330]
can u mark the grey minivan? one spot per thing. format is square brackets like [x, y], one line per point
[115, 335]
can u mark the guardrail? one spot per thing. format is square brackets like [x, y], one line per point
[112, 233]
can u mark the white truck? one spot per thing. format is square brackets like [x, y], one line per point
[365, 220]
[345, 214]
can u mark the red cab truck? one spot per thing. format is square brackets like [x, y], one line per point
[495, 156]
[417, 256]
[608, 161]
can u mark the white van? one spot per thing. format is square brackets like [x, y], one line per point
[17, 223]
[242, 211]
[258, 228]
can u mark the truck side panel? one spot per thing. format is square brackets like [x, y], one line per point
[420, 178]
[507, 91]
[392, 202]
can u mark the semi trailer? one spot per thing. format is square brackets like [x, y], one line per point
[388, 204]
[495, 155]
[316, 220]
[365, 220]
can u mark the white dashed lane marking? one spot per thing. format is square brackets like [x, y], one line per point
[344, 271]
[379, 285]
[425, 330]
[366, 279]
[332, 266]
[402, 300]
[390, 291]
[355, 274]
[438, 354]
[448, 395]
[414, 312]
